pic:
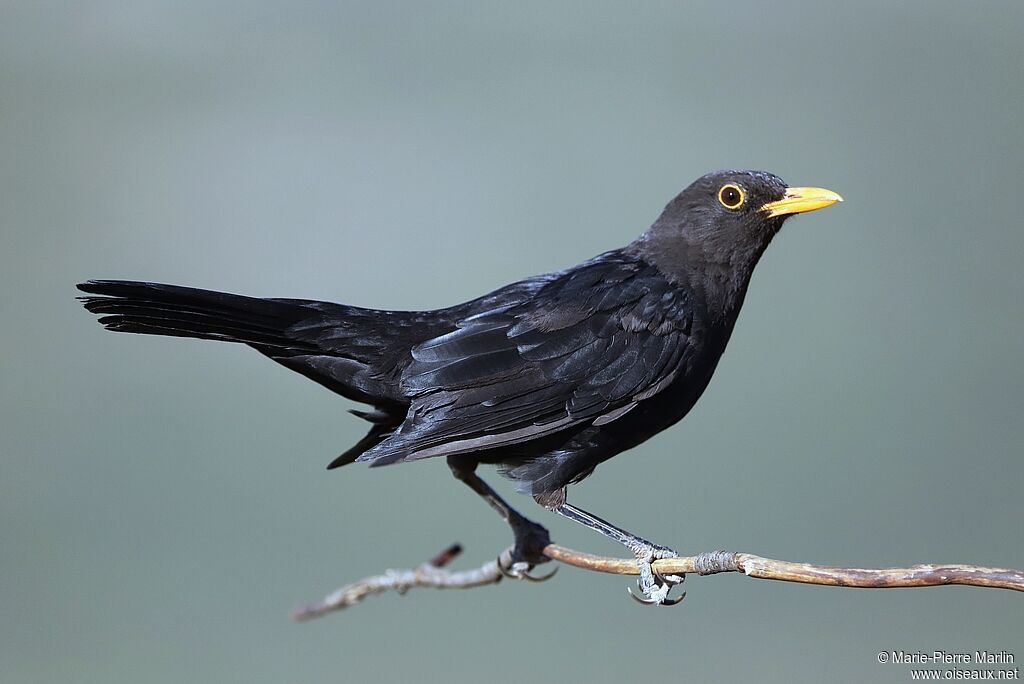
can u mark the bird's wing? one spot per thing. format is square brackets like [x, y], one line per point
[586, 348]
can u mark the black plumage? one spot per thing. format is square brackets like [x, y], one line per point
[546, 377]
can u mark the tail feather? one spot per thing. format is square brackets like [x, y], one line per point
[156, 309]
[346, 349]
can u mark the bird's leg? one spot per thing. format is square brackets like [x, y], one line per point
[654, 586]
[530, 537]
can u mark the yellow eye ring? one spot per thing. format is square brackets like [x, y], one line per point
[732, 196]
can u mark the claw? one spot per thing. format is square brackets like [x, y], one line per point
[670, 580]
[655, 601]
[645, 601]
[505, 572]
[656, 593]
[672, 602]
[512, 573]
[537, 578]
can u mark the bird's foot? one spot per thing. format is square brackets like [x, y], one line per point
[654, 586]
[517, 561]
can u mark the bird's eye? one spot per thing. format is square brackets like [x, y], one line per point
[731, 196]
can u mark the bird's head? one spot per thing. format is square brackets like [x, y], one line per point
[721, 224]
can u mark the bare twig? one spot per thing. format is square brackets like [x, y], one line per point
[433, 574]
[714, 562]
[429, 574]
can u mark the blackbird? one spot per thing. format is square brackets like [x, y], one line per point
[545, 378]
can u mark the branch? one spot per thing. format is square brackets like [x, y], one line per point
[714, 562]
[429, 574]
[433, 574]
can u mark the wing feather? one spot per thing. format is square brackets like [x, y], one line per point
[585, 349]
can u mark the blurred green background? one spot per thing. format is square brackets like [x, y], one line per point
[164, 504]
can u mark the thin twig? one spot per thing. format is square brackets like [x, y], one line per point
[429, 574]
[714, 562]
[432, 574]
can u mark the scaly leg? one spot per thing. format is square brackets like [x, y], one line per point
[655, 587]
[530, 538]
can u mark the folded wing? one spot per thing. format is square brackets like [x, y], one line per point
[586, 349]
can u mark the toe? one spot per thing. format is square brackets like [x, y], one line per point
[661, 552]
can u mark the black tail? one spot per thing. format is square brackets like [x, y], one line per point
[155, 309]
[349, 350]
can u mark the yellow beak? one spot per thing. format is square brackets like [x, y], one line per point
[799, 200]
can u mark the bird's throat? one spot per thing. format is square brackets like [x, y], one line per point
[720, 284]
